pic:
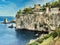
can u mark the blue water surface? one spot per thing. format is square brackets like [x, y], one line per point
[8, 36]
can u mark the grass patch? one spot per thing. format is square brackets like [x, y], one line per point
[48, 41]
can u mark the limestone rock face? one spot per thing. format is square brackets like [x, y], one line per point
[38, 22]
[29, 21]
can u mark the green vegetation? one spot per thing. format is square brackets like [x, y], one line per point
[19, 13]
[55, 4]
[48, 39]
[58, 31]
[30, 10]
[27, 11]
[18, 16]
[48, 4]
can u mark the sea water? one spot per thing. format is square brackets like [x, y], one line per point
[8, 36]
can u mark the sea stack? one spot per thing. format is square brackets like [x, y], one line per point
[5, 21]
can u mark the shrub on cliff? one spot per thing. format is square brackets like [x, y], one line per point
[58, 31]
[19, 13]
[53, 4]
[17, 16]
[35, 43]
[28, 11]
[54, 34]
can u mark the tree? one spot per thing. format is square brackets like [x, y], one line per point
[58, 0]
[55, 4]
[27, 10]
[19, 13]
[47, 4]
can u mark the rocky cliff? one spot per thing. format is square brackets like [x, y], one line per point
[38, 22]
[38, 19]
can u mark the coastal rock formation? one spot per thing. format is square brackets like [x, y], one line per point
[5, 21]
[44, 20]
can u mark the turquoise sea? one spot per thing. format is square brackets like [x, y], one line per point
[8, 36]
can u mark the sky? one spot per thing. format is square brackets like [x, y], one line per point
[10, 7]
